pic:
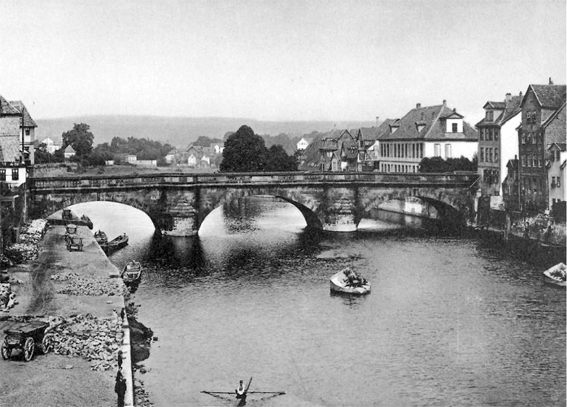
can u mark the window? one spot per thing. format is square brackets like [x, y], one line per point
[523, 161]
[27, 132]
[496, 134]
[489, 155]
[482, 154]
[447, 151]
[455, 127]
[2, 174]
[496, 155]
[553, 184]
[437, 150]
[523, 137]
[558, 182]
[489, 115]
[557, 156]
[15, 174]
[490, 134]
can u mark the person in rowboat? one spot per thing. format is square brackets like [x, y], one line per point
[241, 391]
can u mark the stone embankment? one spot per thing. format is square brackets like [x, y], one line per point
[85, 307]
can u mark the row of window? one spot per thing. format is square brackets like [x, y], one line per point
[531, 161]
[491, 177]
[555, 155]
[489, 155]
[489, 134]
[556, 182]
[532, 185]
[398, 168]
[402, 150]
[531, 116]
[15, 174]
[532, 137]
[437, 150]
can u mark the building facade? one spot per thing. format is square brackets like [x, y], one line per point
[12, 166]
[543, 123]
[27, 133]
[497, 145]
[432, 131]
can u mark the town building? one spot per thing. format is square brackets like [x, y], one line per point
[304, 142]
[50, 145]
[12, 166]
[543, 124]
[68, 152]
[557, 160]
[27, 133]
[432, 131]
[497, 145]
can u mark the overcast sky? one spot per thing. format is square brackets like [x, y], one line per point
[275, 60]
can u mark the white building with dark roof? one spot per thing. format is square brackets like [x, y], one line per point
[432, 131]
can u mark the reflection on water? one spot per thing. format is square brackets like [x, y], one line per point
[447, 322]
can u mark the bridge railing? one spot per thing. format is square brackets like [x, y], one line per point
[179, 179]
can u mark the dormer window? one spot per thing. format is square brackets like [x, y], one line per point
[489, 115]
[455, 127]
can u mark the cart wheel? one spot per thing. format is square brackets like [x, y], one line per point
[47, 344]
[6, 351]
[28, 349]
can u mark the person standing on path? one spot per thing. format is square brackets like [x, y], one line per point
[120, 388]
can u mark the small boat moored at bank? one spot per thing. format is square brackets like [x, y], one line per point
[116, 243]
[101, 237]
[132, 272]
[350, 282]
[556, 274]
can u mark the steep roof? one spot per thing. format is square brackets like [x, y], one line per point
[434, 120]
[548, 96]
[28, 121]
[511, 109]
[6, 108]
[555, 126]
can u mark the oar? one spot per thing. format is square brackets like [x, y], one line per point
[266, 392]
[247, 387]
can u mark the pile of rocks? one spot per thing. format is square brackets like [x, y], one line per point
[94, 339]
[78, 285]
[141, 396]
[30, 236]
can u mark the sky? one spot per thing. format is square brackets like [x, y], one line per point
[276, 60]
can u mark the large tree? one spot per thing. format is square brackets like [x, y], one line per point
[279, 160]
[80, 138]
[244, 151]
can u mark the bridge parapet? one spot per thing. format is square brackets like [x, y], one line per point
[157, 180]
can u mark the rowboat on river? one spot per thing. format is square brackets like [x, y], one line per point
[556, 274]
[341, 283]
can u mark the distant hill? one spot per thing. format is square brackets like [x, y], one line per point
[179, 131]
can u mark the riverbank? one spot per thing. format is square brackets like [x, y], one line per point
[76, 293]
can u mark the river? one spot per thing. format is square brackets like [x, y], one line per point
[449, 322]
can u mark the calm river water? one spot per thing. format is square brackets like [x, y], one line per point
[449, 321]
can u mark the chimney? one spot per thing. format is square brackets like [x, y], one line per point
[444, 102]
[550, 81]
[508, 97]
[418, 105]
[377, 120]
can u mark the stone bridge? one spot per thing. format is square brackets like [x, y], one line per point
[178, 203]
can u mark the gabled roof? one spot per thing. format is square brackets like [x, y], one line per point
[494, 105]
[434, 118]
[548, 96]
[511, 109]
[557, 146]
[6, 108]
[70, 149]
[513, 164]
[28, 121]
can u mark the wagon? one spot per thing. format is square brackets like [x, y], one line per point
[27, 338]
